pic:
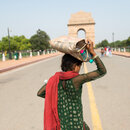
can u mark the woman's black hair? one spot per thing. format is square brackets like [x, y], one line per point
[68, 62]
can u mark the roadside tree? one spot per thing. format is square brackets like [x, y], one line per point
[40, 41]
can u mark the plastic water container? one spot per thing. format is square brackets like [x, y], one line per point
[84, 55]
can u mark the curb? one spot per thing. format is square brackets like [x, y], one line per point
[121, 55]
[24, 64]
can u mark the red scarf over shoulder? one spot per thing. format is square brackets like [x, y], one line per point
[51, 118]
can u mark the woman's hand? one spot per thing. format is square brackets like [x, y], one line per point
[90, 48]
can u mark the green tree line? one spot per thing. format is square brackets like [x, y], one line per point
[39, 41]
[116, 44]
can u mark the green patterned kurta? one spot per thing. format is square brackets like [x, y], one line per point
[70, 106]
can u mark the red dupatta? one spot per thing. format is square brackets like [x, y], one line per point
[51, 118]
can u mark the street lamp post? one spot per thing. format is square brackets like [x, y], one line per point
[113, 40]
[10, 56]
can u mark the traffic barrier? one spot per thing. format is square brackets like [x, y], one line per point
[20, 55]
[3, 57]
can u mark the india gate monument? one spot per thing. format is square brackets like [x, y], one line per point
[82, 21]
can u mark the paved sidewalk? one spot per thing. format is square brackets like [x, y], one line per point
[125, 54]
[12, 64]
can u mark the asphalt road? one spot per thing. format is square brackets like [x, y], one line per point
[21, 109]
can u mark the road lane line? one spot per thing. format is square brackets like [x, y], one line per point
[94, 111]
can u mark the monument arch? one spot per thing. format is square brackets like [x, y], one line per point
[82, 21]
[81, 32]
[81, 29]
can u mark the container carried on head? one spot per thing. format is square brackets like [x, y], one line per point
[71, 45]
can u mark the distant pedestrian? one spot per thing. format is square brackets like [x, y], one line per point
[110, 53]
[102, 52]
[107, 51]
[63, 106]
[105, 48]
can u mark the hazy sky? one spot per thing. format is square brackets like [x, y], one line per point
[25, 17]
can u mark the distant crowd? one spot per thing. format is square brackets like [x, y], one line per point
[106, 51]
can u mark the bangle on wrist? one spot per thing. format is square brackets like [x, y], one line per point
[95, 57]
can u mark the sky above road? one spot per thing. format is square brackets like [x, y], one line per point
[25, 17]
